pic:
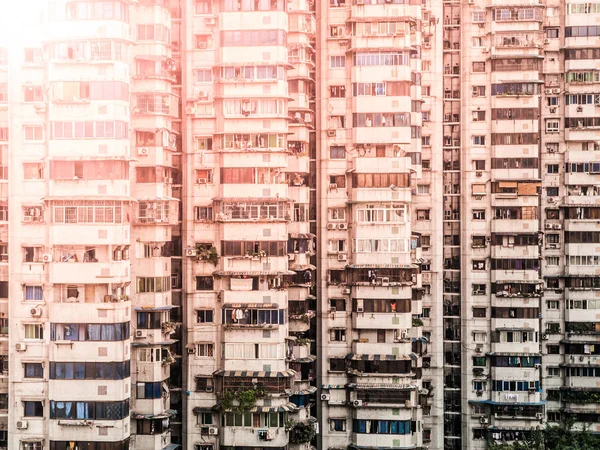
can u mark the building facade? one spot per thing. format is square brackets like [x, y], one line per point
[247, 224]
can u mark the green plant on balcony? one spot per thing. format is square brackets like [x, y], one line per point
[207, 254]
[245, 399]
[167, 360]
[168, 327]
[302, 433]
[417, 323]
[302, 342]
[289, 424]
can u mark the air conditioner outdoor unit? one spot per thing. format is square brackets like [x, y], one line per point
[36, 312]
[213, 431]
[325, 397]
[22, 425]
[139, 334]
[143, 151]
[548, 226]
[291, 257]
[210, 21]
[551, 199]
[483, 420]
[27, 219]
[47, 257]
[190, 351]
[357, 403]
[539, 416]
[191, 252]
[333, 186]
[331, 226]
[190, 111]
[478, 174]
[552, 110]
[556, 91]
[20, 347]
[201, 181]
[548, 91]
[385, 281]
[331, 133]
[342, 226]
[478, 349]
[201, 45]
[557, 226]
[204, 430]
[342, 257]
[546, 41]
[203, 94]
[346, 291]
[408, 404]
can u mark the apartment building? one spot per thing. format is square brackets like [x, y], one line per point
[247, 224]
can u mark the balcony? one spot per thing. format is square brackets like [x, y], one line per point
[254, 437]
[89, 272]
[374, 321]
[118, 311]
[510, 225]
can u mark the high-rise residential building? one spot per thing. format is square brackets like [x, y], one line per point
[273, 224]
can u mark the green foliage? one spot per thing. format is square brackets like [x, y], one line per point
[302, 341]
[302, 433]
[240, 400]
[561, 437]
[207, 254]
[417, 323]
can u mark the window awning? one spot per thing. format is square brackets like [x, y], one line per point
[158, 199]
[308, 359]
[382, 266]
[251, 305]
[89, 158]
[253, 199]
[515, 329]
[507, 184]
[300, 267]
[390, 386]
[507, 403]
[172, 447]
[358, 357]
[201, 409]
[155, 308]
[584, 342]
[152, 344]
[119, 198]
[302, 236]
[512, 354]
[254, 374]
[495, 428]
[252, 273]
[580, 388]
[163, 415]
[518, 282]
[308, 391]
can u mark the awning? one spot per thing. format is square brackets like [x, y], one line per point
[579, 389]
[518, 282]
[382, 266]
[308, 359]
[32, 439]
[507, 184]
[253, 199]
[515, 329]
[155, 308]
[252, 273]
[172, 447]
[254, 374]
[251, 305]
[585, 342]
[163, 415]
[302, 236]
[158, 199]
[390, 386]
[357, 357]
[282, 408]
[578, 365]
[333, 386]
[298, 267]
[118, 198]
[89, 158]
[201, 409]
[404, 447]
[308, 391]
[511, 428]
[508, 403]
[512, 354]
[148, 344]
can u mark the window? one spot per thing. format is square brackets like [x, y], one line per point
[205, 350]
[552, 126]
[552, 168]
[337, 304]
[422, 189]
[423, 214]
[478, 140]
[479, 214]
[552, 260]
[92, 370]
[34, 293]
[337, 181]
[478, 91]
[204, 384]
[337, 91]
[478, 41]
[33, 409]
[552, 304]
[426, 91]
[204, 316]
[203, 6]
[337, 424]
[553, 349]
[478, 16]
[203, 143]
[149, 390]
[478, 116]
[337, 335]
[337, 152]
[33, 171]
[204, 283]
[202, 75]
[553, 371]
[478, 66]
[336, 62]
[553, 238]
[203, 213]
[33, 370]
[552, 101]
[337, 365]
[33, 94]
[337, 245]
[552, 191]
[33, 55]
[34, 331]
[478, 264]
[33, 132]
[552, 214]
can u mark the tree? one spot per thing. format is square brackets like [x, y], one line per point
[561, 437]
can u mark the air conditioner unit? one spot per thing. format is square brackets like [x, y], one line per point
[580, 109]
[291, 257]
[551, 200]
[20, 346]
[36, 312]
[325, 397]
[201, 45]
[190, 351]
[210, 21]
[333, 186]
[331, 226]
[346, 291]
[27, 218]
[342, 226]
[190, 111]
[548, 226]
[557, 226]
[331, 133]
[539, 416]
[201, 180]
[408, 404]
[552, 110]
[544, 337]
[47, 257]
[203, 95]
[478, 174]
[548, 91]
[213, 431]
[191, 252]
[357, 403]
[484, 420]
[556, 91]
[385, 281]
[169, 180]
[485, 50]
[546, 41]
[342, 257]
[142, 151]
[22, 424]
[140, 334]
[478, 349]
[478, 197]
